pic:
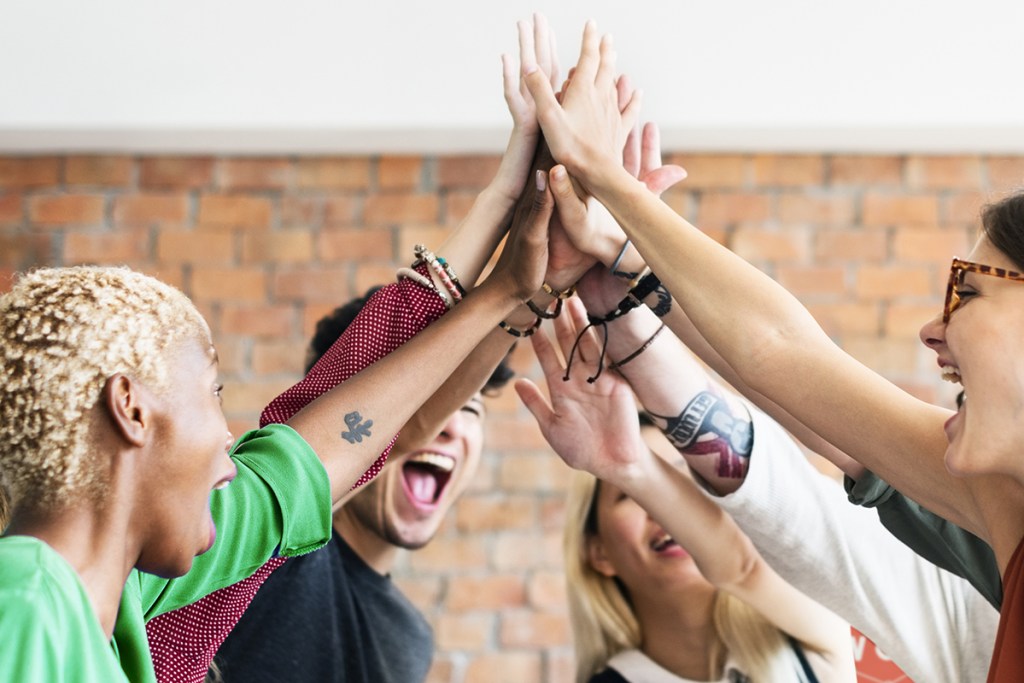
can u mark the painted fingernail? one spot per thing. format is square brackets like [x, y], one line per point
[542, 181]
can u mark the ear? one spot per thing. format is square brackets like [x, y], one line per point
[125, 403]
[598, 558]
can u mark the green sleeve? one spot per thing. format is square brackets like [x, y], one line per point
[932, 537]
[278, 505]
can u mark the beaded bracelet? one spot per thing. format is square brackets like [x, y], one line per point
[417, 278]
[640, 288]
[520, 333]
[615, 365]
[442, 271]
[564, 294]
[541, 313]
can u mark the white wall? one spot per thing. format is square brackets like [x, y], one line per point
[318, 76]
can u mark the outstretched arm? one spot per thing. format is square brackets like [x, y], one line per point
[593, 426]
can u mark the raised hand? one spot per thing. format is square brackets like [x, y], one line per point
[524, 258]
[586, 131]
[592, 426]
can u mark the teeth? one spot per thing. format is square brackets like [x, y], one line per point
[661, 541]
[445, 463]
[222, 485]
[951, 374]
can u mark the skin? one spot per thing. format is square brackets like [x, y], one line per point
[768, 337]
[383, 517]
[592, 426]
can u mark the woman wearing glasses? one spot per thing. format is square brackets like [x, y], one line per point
[775, 346]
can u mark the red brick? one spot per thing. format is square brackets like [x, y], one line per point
[906, 320]
[964, 208]
[66, 209]
[451, 555]
[278, 357]
[889, 357]
[809, 209]
[20, 249]
[106, 247]
[229, 284]
[929, 246]
[683, 201]
[932, 173]
[342, 173]
[313, 311]
[851, 246]
[755, 244]
[489, 513]
[893, 282]
[23, 172]
[401, 208]
[517, 551]
[505, 433]
[254, 174]
[170, 274]
[356, 245]
[341, 211]
[232, 211]
[189, 246]
[1004, 173]
[813, 280]
[713, 170]
[399, 173]
[259, 321]
[546, 591]
[465, 632]
[232, 351]
[870, 171]
[103, 171]
[312, 283]
[466, 171]
[495, 591]
[718, 208]
[151, 209]
[301, 212]
[433, 237]
[11, 212]
[368, 275]
[504, 667]
[176, 172]
[532, 473]
[251, 397]
[522, 629]
[788, 170]
[6, 279]
[847, 319]
[900, 210]
[290, 246]
[424, 593]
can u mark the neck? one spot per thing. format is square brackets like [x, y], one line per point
[680, 635]
[95, 543]
[375, 551]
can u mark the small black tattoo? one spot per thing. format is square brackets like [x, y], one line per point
[664, 304]
[357, 428]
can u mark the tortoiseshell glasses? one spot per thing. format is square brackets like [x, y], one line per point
[956, 279]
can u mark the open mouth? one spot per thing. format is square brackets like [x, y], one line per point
[426, 475]
[663, 542]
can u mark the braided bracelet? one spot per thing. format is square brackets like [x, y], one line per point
[564, 294]
[520, 333]
[640, 288]
[615, 365]
[541, 313]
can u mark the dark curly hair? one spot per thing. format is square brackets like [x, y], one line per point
[1003, 224]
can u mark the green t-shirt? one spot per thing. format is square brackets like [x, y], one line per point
[280, 503]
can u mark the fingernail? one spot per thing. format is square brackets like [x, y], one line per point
[558, 172]
[542, 181]
[529, 69]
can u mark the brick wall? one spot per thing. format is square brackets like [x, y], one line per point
[267, 246]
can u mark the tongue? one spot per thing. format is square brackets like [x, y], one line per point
[422, 485]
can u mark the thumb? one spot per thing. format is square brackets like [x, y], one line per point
[571, 209]
[660, 179]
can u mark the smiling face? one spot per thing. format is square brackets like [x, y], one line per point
[405, 505]
[634, 548]
[980, 348]
[186, 460]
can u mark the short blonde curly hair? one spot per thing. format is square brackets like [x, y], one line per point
[63, 333]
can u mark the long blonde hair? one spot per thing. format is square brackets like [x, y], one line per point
[602, 618]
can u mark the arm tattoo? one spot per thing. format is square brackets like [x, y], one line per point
[708, 426]
[357, 429]
[664, 304]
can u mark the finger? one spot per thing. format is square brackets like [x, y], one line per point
[509, 80]
[566, 332]
[631, 155]
[547, 357]
[553, 51]
[624, 90]
[539, 88]
[535, 401]
[650, 157]
[572, 211]
[660, 179]
[605, 76]
[527, 50]
[588, 344]
[542, 42]
[590, 56]
[631, 114]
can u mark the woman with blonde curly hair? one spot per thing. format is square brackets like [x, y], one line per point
[114, 448]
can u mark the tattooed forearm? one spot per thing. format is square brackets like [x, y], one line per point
[708, 426]
[664, 304]
[357, 429]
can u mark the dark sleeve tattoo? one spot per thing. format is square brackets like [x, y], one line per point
[707, 426]
[664, 304]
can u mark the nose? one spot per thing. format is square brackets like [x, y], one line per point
[454, 427]
[229, 443]
[933, 333]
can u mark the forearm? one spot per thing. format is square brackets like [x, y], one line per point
[349, 425]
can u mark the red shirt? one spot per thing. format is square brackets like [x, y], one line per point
[1008, 658]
